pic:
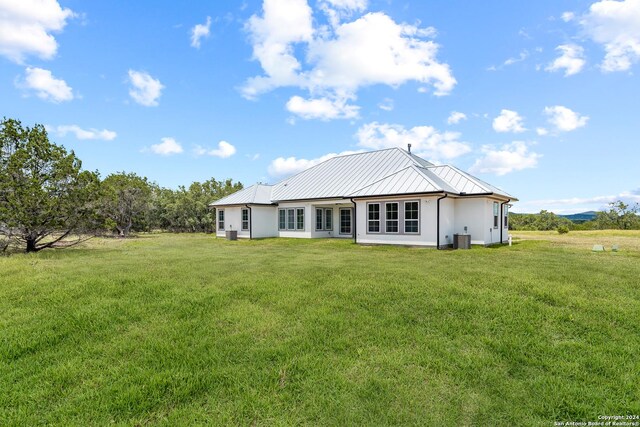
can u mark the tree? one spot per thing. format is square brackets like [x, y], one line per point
[45, 196]
[620, 216]
[126, 202]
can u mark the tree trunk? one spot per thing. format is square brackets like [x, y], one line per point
[31, 245]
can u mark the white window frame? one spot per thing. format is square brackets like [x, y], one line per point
[496, 214]
[379, 220]
[220, 219]
[290, 219]
[244, 222]
[325, 214]
[404, 216]
[397, 220]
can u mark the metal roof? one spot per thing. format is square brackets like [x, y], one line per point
[256, 194]
[343, 175]
[465, 183]
[374, 173]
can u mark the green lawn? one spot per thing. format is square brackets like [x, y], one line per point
[187, 329]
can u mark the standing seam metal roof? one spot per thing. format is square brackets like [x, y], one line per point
[374, 173]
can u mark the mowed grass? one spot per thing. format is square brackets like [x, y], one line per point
[188, 329]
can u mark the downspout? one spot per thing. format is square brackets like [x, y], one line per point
[250, 222]
[502, 218]
[354, 221]
[438, 221]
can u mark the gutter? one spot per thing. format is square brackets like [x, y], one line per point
[502, 217]
[354, 221]
[250, 222]
[438, 220]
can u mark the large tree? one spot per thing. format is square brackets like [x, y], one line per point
[126, 202]
[45, 196]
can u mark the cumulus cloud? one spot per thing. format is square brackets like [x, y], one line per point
[79, 133]
[508, 121]
[223, 151]
[26, 28]
[167, 147]
[564, 119]
[542, 131]
[568, 16]
[199, 32]
[506, 159]
[456, 117]
[340, 59]
[322, 108]
[425, 141]
[616, 26]
[145, 90]
[571, 60]
[290, 165]
[45, 85]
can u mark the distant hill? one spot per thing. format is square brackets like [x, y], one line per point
[580, 217]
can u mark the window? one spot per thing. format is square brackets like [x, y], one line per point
[324, 219]
[506, 216]
[345, 221]
[245, 219]
[291, 219]
[411, 217]
[391, 217]
[373, 217]
[220, 219]
[291, 216]
[319, 222]
[300, 219]
[495, 214]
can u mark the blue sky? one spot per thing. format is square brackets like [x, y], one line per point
[539, 98]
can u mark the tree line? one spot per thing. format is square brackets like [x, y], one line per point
[618, 216]
[47, 200]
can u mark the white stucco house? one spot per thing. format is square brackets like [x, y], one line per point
[380, 197]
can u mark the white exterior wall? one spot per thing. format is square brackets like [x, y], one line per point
[306, 233]
[477, 215]
[427, 223]
[232, 221]
[264, 221]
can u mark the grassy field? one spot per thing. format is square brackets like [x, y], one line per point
[186, 330]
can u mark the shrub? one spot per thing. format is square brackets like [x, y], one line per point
[563, 229]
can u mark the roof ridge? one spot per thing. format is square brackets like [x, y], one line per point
[431, 181]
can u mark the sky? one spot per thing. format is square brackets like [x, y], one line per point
[539, 98]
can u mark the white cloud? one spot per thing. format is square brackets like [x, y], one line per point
[386, 104]
[94, 134]
[223, 151]
[571, 60]
[167, 147]
[338, 10]
[199, 32]
[288, 166]
[616, 26]
[564, 119]
[340, 59]
[521, 57]
[26, 27]
[322, 108]
[506, 159]
[456, 117]
[568, 16]
[145, 90]
[508, 121]
[542, 131]
[425, 141]
[45, 85]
